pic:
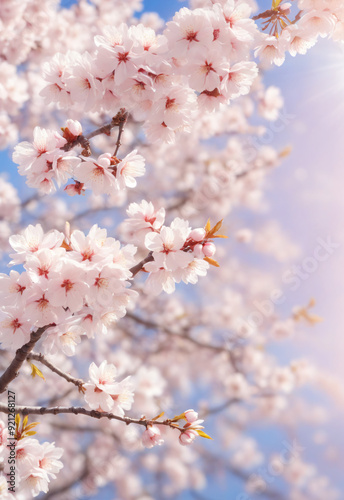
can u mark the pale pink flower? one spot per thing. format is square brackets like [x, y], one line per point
[32, 240]
[143, 218]
[14, 288]
[167, 248]
[207, 71]
[271, 50]
[115, 53]
[197, 267]
[45, 141]
[174, 107]
[67, 287]
[152, 437]
[104, 394]
[122, 396]
[187, 31]
[50, 462]
[14, 328]
[239, 79]
[187, 437]
[40, 264]
[320, 22]
[84, 88]
[132, 166]
[90, 247]
[299, 40]
[97, 175]
[271, 103]
[40, 310]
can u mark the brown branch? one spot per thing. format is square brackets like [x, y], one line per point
[58, 410]
[264, 15]
[39, 357]
[123, 120]
[137, 268]
[21, 354]
[83, 140]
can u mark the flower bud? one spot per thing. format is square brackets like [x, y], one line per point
[191, 415]
[198, 251]
[186, 437]
[152, 437]
[209, 249]
[198, 234]
[74, 127]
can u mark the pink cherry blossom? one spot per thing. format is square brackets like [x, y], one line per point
[152, 437]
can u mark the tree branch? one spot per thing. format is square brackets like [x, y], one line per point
[123, 120]
[135, 269]
[40, 357]
[83, 140]
[22, 353]
[57, 410]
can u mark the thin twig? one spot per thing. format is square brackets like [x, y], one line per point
[83, 140]
[137, 268]
[123, 121]
[40, 357]
[58, 410]
[21, 354]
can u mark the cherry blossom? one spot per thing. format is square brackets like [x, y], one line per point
[155, 124]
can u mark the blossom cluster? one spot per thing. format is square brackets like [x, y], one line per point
[192, 428]
[36, 464]
[44, 161]
[103, 394]
[179, 253]
[200, 61]
[314, 20]
[76, 284]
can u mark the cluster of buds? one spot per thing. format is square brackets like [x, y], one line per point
[191, 429]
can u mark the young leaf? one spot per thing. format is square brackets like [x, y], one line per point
[36, 371]
[157, 418]
[203, 434]
[212, 262]
[178, 417]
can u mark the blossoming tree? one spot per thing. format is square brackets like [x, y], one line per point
[144, 128]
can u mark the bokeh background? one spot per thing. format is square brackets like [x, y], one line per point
[306, 197]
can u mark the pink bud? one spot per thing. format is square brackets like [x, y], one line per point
[152, 437]
[198, 251]
[209, 249]
[198, 234]
[187, 437]
[74, 127]
[191, 415]
[73, 189]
